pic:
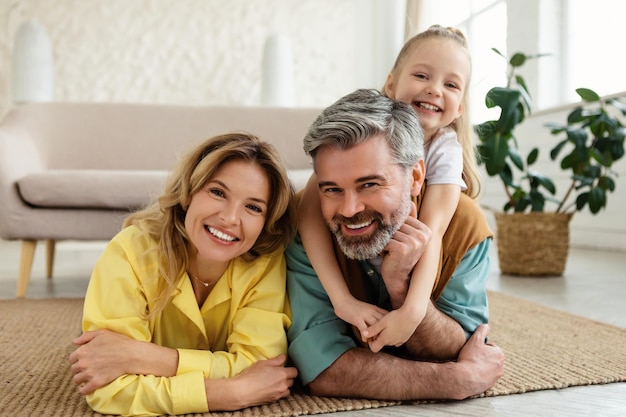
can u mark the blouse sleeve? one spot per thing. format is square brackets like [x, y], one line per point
[115, 300]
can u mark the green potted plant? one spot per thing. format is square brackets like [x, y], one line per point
[532, 238]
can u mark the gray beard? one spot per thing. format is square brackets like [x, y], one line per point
[367, 247]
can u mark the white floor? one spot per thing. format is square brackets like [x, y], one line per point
[594, 286]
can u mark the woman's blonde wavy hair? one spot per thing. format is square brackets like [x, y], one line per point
[461, 125]
[164, 220]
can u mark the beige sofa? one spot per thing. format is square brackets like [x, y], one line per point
[73, 171]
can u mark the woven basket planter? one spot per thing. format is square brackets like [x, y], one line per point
[534, 244]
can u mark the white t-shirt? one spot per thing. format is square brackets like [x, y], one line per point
[443, 159]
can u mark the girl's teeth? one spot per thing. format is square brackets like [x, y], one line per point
[429, 107]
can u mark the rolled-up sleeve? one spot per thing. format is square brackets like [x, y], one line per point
[465, 297]
[115, 300]
[317, 337]
[134, 395]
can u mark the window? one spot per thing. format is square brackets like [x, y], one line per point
[582, 37]
[594, 52]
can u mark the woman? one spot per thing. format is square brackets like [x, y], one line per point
[186, 309]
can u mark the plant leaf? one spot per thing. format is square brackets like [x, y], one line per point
[498, 52]
[581, 200]
[555, 128]
[575, 116]
[545, 182]
[557, 149]
[597, 199]
[587, 94]
[532, 156]
[537, 200]
[607, 183]
[518, 59]
[600, 158]
[516, 158]
[507, 176]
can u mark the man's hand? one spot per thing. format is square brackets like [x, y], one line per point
[401, 255]
[482, 364]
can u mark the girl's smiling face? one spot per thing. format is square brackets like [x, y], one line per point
[225, 218]
[433, 79]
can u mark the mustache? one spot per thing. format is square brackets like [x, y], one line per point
[358, 218]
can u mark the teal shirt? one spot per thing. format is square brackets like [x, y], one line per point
[317, 337]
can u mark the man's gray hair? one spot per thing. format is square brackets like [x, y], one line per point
[363, 114]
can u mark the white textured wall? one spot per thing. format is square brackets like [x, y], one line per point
[192, 51]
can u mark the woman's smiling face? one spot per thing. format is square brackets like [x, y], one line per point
[226, 217]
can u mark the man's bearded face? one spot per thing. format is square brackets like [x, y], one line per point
[369, 246]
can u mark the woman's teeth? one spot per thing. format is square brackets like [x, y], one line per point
[220, 235]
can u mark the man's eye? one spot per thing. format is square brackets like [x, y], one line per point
[369, 185]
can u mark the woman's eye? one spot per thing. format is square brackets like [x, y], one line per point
[216, 191]
[254, 208]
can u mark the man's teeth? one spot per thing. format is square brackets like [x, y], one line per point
[220, 235]
[428, 106]
[358, 226]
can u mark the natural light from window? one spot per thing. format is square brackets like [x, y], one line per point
[595, 53]
[590, 50]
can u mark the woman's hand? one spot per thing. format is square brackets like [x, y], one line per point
[103, 356]
[263, 382]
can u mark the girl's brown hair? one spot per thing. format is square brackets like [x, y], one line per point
[164, 220]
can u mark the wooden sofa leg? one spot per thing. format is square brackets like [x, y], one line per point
[26, 264]
[50, 245]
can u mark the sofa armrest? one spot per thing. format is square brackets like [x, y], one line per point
[19, 156]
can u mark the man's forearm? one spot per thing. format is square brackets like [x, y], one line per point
[362, 373]
[438, 337]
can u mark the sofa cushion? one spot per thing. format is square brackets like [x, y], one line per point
[105, 189]
[299, 177]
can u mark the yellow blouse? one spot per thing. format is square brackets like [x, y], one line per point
[243, 320]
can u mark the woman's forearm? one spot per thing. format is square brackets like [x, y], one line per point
[102, 356]
[152, 359]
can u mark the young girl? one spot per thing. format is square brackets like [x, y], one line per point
[186, 308]
[432, 72]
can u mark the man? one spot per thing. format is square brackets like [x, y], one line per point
[367, 154]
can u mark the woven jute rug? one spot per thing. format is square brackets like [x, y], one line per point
[545, 349]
